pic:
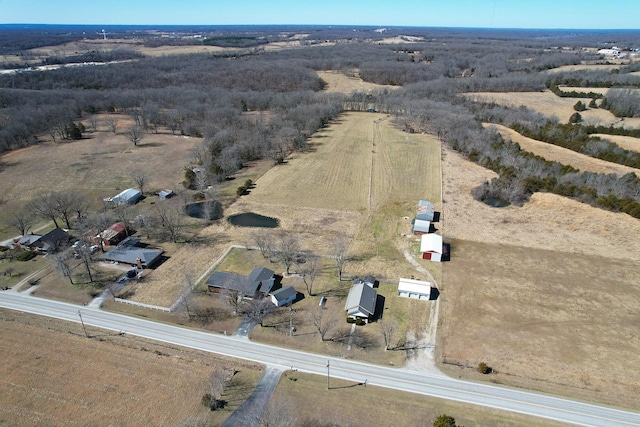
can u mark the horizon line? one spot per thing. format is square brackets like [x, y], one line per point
[324, 25]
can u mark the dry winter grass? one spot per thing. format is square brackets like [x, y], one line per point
[563, 155]
[550, 288]
[51, 375]
[553, 106]
[626, 142]
[339, 82]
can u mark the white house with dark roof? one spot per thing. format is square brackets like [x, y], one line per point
[361, 302]
[283, 296]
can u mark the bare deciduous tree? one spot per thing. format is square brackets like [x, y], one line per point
[309, 272]
[21, 220]
[44, 206]
[235, 301]
[288, 248]
[264, 241]
[141, 179]
[259, 310]
[340, 254]
[112, 124]
[61, 262]
[171, 220]
[84, 255]
[322, 324]
[388, 329]
[135, 134]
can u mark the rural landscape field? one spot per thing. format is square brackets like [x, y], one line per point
[539, 208]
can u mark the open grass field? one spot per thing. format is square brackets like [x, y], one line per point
[564, 155]
[553, 106]
[126, 381]
[51, 375]
[339, 82]
[101, 165]
[556, 322]
[544, 293]
[626, 142]
[589, 67]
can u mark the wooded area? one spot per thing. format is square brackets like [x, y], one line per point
[208, 95]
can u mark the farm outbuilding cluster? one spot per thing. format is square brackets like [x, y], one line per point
[432, 247]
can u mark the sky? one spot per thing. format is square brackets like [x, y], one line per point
[547, 14]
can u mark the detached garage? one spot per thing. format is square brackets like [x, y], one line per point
[414, 289]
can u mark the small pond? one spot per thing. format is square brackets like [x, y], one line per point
[198, 210]
[495, 202]
[250, 219]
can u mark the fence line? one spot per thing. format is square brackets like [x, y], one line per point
[140, 304]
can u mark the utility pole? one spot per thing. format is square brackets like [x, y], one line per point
[327, 374]
[82, 321]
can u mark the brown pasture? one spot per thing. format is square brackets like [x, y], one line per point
[51, 375]
[529, 285]
[626, 142]
[551, 105]
[562, 155]
[341, 83]
[118, 380]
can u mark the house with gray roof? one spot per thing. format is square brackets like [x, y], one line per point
[361, 301]
[133, 255]
[256, 285]
[283, 296]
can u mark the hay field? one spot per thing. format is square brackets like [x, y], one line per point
[553, 106]
[547, 221]
[550, 286]
[51, 375]
[580, 67]
[564, 155]
[323, 195]
[550, 321]
[340, 83]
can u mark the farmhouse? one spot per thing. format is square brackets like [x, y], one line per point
[26, 241]
[256, 285]
[129, 196]
[414, 289]
[431, 247]
[283, 296]
[133, 255]
[361, 302]
[50, 241]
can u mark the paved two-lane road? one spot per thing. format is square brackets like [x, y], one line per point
[503, 398]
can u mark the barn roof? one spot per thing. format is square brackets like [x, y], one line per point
[431, 243]
[414, 286]
[426, 210]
